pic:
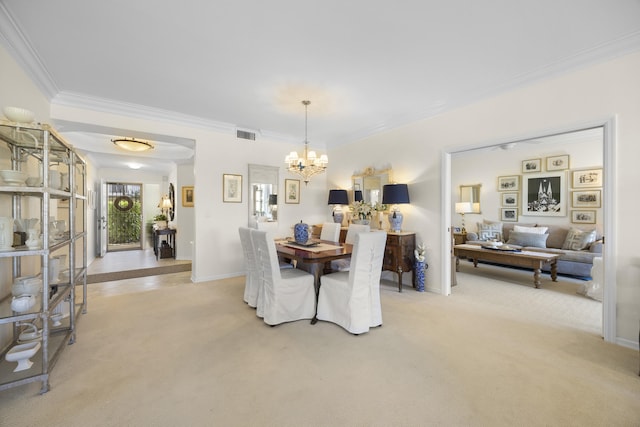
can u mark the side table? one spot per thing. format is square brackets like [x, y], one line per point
[168, 250]
[399, 256]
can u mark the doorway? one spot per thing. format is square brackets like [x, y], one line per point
[608, 189]
[124, 216]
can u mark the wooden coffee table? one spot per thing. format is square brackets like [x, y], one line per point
[528, 259]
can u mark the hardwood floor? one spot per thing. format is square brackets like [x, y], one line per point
[128, 264]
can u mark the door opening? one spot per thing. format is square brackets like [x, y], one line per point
[124, 216]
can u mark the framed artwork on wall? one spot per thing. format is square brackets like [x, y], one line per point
[543, 194]
[187, 196]
[583, 217]
[292, 190]
[509, 214]
[558, 163]
[586, 199]
[510, 200]
[509, 183]
[231, 188]
[586, 178]
[531, 165]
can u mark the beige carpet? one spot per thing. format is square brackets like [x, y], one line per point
[161, 351]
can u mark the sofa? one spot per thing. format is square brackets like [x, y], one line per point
[576, 246]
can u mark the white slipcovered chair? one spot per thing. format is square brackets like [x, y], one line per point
[330, 231]
[285, 294]
[352, 299]
[252, 282]
[352, 231]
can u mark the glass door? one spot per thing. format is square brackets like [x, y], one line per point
[124, 216]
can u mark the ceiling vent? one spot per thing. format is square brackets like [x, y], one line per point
[243, 134]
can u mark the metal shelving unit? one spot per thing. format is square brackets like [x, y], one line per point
[38, 150]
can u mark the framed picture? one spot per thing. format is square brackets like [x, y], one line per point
[558, 163]
[586, 199]
[583, 217]
[531, 165]
[509, 200]
[586, 178]
[543, 194]
[187, 196]
[231, 188]
[509, 183]
[509, 214]
[292, 190]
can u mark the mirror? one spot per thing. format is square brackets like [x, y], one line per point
[471, 194]
[263, 194]
[371, 182]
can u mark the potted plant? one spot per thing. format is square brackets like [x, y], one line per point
[160, 221]
[361, 212]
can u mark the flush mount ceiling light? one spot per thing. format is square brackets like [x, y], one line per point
[308, 164]
[132, 144]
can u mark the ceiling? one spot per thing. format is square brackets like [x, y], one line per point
[367, 66]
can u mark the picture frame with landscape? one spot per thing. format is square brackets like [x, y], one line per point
[558, 163]
[509, 183]
[509, 214]
[586, 178]
[586, 199]
[509, 200]
[583, 217]
[531, 165]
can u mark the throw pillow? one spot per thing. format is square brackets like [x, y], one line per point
[490, 231]
[578, 240]
[535, 230]
[521, 238]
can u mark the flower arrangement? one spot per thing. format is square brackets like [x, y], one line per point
[361, 210]
[420, 252]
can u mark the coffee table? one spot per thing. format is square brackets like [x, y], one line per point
[528, 259]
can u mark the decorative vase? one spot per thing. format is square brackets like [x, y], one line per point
[301, 233]
[420, 267]
[361, 221]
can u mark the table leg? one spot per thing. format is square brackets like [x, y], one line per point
[316, 269]
[536, 277]
[457, 263]
[399, 279]
[554, 270]
[475, 262]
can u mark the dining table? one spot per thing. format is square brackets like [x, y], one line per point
[316, 254]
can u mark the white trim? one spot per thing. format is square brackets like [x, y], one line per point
[445, 223]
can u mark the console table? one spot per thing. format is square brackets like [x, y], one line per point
[169, 250]
[398, 254]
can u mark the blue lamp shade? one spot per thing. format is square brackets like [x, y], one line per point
[357, 195]
[338, 197]
[395, 194]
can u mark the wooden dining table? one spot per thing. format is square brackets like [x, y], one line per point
[315, 256]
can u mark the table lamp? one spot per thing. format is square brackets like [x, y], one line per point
[337, 198]
[273, 204]
[395, 194]
[357, 196]
[463, 208]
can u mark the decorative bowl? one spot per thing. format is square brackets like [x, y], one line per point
[27, 287]
[23, 303]
[34, 181]
[18, 115]
[11, 177]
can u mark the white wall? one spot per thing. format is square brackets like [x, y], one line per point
[486, 165]
[595, 93]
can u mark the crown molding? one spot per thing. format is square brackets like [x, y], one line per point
[22, 51]
[76, 100]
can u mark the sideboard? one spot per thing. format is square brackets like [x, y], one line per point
[399, 255]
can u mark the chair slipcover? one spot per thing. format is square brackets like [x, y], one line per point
[330, 231]
[352, 299]
[285, 295]
[252, 282]
[352, 231]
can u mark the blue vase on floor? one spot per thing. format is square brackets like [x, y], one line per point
[420, 267]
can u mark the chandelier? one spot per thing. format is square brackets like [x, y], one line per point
[308, 164]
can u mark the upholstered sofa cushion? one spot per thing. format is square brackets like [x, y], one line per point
[578, 240]
[528, 239]
[535, 230]
[490, 231]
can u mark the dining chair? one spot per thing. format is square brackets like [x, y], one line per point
[352, 231]
[351, 299]
[285, 295]
[252, 281]
[330, 231]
